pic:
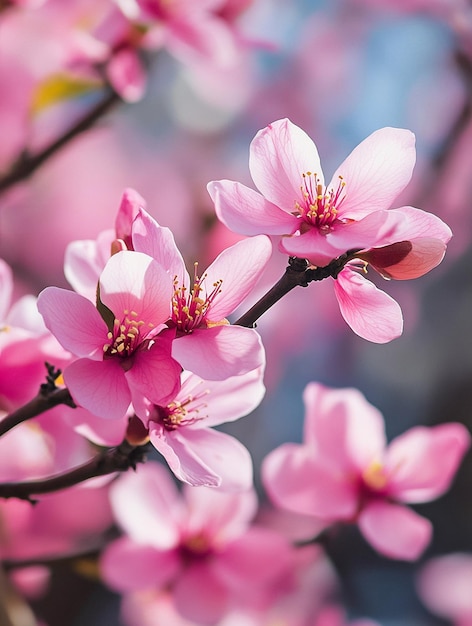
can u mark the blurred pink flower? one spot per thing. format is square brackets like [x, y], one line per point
[201, 547]
[320, 223]
[124, 353]
[206, 343]
[25, 346]
[345, 472]
[444, 584]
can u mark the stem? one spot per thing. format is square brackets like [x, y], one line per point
[43, 402]
[28, 164]
[297, 274]
[109, 461]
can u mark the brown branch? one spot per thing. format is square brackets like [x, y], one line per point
[297, 274]
[108, 461]
[28, 164]
[41, 403]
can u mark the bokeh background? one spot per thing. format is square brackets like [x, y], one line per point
[340, 69]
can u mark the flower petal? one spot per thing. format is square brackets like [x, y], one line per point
[227, 400]
[279, 156]
[133, 281]
[154, 372]
[239, 268]
[346, 430]
[129, 566]
[245, 211]
[158, 242]
[74, 321]
[147, 506]
[371, 313]
[394, 530]
[376, 171]
[99, 386]
[297, 481]
[200, 596]
[207, 457]
[219, 352]
[412, 461]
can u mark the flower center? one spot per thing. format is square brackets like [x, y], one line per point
[320, 205]
[181, 413]
[125, 336]
[374, 476]
[196, 547]
[189, 308]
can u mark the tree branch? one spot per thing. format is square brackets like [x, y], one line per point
[28, 164]
[109, 461]
[297, 274]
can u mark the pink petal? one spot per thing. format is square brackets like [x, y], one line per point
[147, 506]
[126, 74]
[99, 386]
[420, 224]
[129, 566]
[261, 555]
[132, 281]
[219, 352]
[420, 256]
[371, 313]
[245, 211]
[101, 432]
[239, 267]
[222, 515]
[155, 373]
[208, 457]
[182, 460]
[200, 596]
[158, 242]
[296, 481]
[74, 321]
[444, 585]
[345, 429]
[412, 461]
[131, 204]
[394, 530]
[225, 400]
[279, 155]
[84, 262]
[376, 171]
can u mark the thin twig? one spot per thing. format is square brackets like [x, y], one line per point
[28, 164]
[109, 461]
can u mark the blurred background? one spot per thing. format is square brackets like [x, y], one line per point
[339, 69]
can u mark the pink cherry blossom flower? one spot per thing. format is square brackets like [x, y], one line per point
[322, 222]
[201, 546]
[444, 584]
[191, 31]
[25, 345]
[180, 430]
[118, 346]
[345, 472]
[206, 343]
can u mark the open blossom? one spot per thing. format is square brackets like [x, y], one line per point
[118, 344]
[180, 430]
[444, 584]
[321, 222]
[344, 471]
[200, 546]
[206, 343]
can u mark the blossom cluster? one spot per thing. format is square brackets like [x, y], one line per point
[148, 354]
